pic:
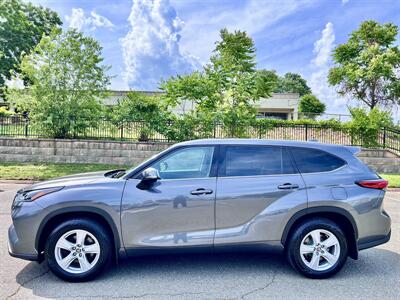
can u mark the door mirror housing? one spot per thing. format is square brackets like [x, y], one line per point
[150, 175]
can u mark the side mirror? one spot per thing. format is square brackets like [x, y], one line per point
[150, 175]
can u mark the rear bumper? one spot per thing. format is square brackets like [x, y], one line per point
[373, 241]
[31, 257]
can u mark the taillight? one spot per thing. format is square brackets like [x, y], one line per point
[373, 183]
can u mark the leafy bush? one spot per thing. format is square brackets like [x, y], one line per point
[149, 110]
[365, 127]
[197, 125]
[333, 123]
[188, 127]
[4, 112]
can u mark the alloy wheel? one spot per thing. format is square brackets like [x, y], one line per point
[77, 251]
[320, 250]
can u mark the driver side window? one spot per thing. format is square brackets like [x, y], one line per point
[193, 162]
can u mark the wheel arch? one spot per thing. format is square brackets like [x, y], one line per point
[340, 216]
[58, 216]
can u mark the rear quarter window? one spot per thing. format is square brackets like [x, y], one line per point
[314, 160]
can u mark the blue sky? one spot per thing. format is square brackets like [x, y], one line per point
[146, 40]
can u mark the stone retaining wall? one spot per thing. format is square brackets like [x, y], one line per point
[129, 153]
[77, 151]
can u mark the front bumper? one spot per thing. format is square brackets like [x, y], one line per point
[14, 246]
[22, 232]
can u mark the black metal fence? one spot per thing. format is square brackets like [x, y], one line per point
[389, 138]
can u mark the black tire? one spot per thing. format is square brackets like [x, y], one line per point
[296, 237]
[94, 228]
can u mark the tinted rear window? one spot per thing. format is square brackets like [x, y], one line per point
[256, 160]
[313, 160]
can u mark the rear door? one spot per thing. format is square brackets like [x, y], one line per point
[257, 188]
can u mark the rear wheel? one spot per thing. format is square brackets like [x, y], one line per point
[78, 250]
[317, 248]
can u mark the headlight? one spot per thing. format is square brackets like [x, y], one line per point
[27, 196]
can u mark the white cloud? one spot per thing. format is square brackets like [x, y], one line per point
[151, 48]
[321, 64]
[81, 21]
[323, 47]
[100, 21]
[345, 1]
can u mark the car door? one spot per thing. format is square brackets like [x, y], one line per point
[178, 209]
[257, 189]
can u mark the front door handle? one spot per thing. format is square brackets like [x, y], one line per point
[201, 191]
[288, 186]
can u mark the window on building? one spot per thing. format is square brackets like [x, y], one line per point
[272, 115]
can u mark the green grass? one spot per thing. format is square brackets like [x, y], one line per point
[43, 171]
[394, 179]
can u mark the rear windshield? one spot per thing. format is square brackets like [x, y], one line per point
[314, 161]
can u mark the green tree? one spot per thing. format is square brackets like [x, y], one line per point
[68, 82]
[227, 87]
[139, 107]
[233, 70]
[194, 87]
[267, 81]
[22, 25]
[292, 83]
[367, 66]
[311, 106]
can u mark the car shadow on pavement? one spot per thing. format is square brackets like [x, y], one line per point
[209, 275]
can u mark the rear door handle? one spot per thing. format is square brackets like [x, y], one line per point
[288, 186]
[201, 191]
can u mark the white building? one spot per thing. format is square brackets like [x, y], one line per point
[278, 106]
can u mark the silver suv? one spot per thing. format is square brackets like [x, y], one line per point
[318, 202]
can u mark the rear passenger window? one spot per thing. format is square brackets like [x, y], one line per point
[256, 160]
[313, 160]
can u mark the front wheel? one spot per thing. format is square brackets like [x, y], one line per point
[78, 250]
[317, 248]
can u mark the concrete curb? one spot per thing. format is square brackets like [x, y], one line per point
[7, 181]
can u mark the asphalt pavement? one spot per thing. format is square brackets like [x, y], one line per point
[376, 275]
